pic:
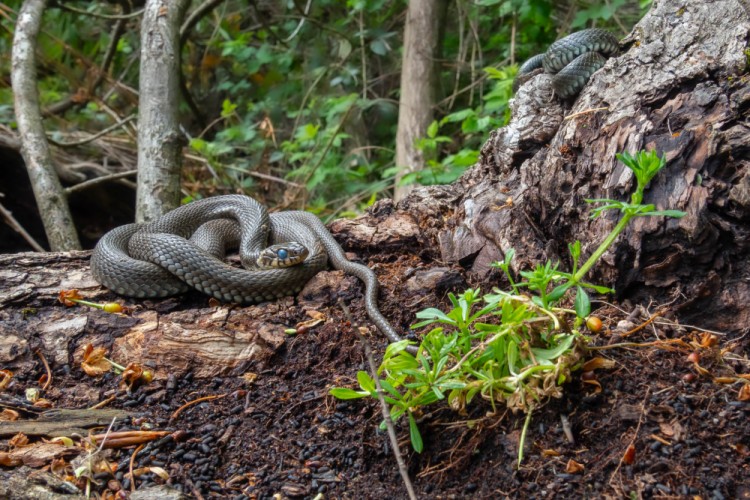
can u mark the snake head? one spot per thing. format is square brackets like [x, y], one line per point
[285, 254]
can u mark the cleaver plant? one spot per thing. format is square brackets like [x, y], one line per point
[513, 348]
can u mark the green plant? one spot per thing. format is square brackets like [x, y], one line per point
[505, 347]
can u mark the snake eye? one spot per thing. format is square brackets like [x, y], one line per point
[282, 254]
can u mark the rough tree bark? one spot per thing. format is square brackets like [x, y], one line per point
[50, 198]
[418, 77]
[160, 141]
[679, 87]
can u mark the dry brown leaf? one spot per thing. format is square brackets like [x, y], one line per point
[725, 380]
[43, 403]
[68, 296]
[7, 460]
[94, 363]
[550, 453]
[700, 369]
[250, 377]
[744, 393]
[666, 429]
[740, 448]
[132, 373]
[18, 441]
[5, 378]
[150, 470]
[709, 339]
[59, 466]
[574, 467]
[8, 415]
[598, 362]
[316, 314]
[596, 384]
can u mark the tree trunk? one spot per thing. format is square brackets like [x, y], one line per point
[418, 78]
[50, 198]
[160, 140]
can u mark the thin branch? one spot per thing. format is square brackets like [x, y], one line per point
[117, 31]
[99, 180]
[383, 405]
[46, 367]
[362, 51]
[196, 16]
[119, 17]
[16, 226]
[301, 21]
[95, 136]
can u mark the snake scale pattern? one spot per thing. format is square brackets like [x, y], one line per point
[184, 249]
[572, 60]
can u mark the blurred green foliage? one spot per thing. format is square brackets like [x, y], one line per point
[301, 107]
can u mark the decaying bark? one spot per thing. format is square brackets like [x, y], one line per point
[50, 198]
[160, 141]
[679, 87]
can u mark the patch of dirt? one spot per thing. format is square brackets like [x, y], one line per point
[281, 433]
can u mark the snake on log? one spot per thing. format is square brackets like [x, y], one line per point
[184, 249]
[572, 60]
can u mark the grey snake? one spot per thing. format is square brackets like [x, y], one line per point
[572, 60]
[184, 249]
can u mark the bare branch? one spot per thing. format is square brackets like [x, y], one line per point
[196, 16]
[50, 198]
[17, 227]
[100, 180]
[119, 17]
[95, 136]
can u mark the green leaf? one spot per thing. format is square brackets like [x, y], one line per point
[432, 130]
[558, 292]
[344, 393]
[677, 214]
[582, 303]
[366, 382]
[434, 314]
[345, 48]
[416, 437]
[555, 352]
[379, 46]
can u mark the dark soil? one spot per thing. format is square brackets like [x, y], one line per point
[281, 433]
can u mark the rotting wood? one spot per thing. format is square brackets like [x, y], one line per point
[62, 422]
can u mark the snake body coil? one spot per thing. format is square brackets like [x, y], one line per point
[572, 60]
[157, 260]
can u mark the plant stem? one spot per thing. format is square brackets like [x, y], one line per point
[522, 441]
[611, 237]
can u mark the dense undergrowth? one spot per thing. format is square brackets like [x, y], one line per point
[298, 103]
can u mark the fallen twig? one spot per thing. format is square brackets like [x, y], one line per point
[46, 367]
[193, 402]
[17, 227]
[632, 441]
[130, 467]
[383, 406]
[127, 438]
